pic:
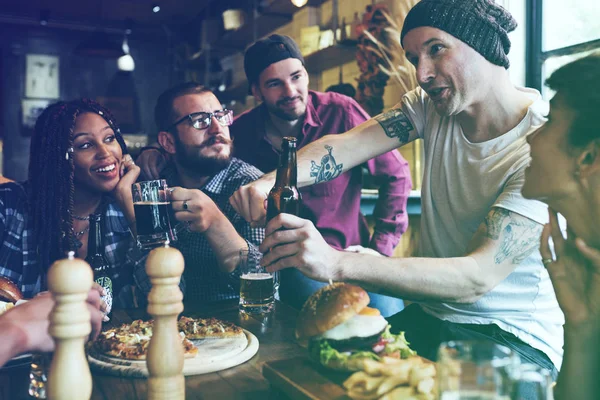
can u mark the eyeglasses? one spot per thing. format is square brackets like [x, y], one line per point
[203, 120]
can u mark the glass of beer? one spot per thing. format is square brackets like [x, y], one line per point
[151, 204]
[257, 286]
[474, 370]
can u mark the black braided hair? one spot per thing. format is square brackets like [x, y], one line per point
[51, 172]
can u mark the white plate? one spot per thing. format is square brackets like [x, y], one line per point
[213, 355]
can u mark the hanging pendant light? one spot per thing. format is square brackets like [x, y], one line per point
[299, 3]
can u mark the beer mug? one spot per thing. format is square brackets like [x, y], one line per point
[474, 370]
[152, 221]
[257, 286]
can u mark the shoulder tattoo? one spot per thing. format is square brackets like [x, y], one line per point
[395, 124]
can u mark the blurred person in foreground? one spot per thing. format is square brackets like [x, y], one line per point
[480, 275]
[565, 173]
[24, 328]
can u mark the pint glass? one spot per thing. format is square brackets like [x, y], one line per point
[257, 286]
[151, 204]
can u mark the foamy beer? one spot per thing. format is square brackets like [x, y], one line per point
[257, 286]
[152, 209]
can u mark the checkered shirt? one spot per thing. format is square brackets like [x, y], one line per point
[204, 281]
[18, 251]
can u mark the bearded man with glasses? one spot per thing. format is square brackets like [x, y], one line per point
[194, 131]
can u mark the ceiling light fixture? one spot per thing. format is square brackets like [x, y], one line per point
[299, 3]
[233, 19]
[125, 62]
[155, 8]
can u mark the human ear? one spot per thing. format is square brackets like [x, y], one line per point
[256, 92]
[167, 141]
[588, 162]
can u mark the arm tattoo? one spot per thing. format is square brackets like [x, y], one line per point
[395, 124]
[519, 237]
[328, 169]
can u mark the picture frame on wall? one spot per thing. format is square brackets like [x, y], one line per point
[31, 110]
[42, 76]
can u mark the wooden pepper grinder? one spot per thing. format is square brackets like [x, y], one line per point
[70, 281]
[164, 267]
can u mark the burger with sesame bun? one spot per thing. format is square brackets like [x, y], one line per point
[342, 332]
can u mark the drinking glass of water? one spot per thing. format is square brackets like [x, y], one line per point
[152, 209]
[257, 286]
[474, 370]
[530, 382]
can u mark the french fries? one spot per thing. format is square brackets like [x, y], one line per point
[392, 379]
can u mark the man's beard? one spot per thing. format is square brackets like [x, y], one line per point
[196, 163]
[284, 115]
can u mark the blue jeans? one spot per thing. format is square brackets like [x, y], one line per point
[295, 288]
[425, 333]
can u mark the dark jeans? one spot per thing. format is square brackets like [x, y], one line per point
[295, 288]
[425, 333]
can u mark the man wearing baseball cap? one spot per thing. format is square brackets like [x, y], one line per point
[278, 79]
[479, 274]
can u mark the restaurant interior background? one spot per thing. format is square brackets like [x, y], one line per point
[124, 53]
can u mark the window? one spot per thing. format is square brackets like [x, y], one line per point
[559, 32]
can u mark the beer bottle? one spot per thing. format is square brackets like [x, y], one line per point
[95, 257]
[285, 197]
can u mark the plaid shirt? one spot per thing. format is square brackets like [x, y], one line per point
[204, 281]
[18, 251]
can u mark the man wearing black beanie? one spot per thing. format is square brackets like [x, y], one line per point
[479, 274]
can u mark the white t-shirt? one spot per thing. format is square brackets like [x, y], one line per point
[462, 181]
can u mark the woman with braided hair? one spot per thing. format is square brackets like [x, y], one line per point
[78, 166]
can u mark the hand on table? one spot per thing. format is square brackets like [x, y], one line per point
[575, 274]
[298, 245]
[250, 201]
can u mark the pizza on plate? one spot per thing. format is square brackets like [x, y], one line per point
[131, 340]
[210, 328]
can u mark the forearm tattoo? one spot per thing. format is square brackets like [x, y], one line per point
[395, 124]
[328, 169]
[519, 235]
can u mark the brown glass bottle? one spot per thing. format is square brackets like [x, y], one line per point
[285, 197]
[97, 260]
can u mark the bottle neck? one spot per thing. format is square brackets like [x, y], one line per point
[95, 240]
[287, 170]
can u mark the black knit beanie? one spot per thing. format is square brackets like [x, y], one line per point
[267, 51]
[482, 24]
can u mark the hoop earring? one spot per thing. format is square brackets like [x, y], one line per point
[69, 151]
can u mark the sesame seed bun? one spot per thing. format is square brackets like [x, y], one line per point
[329, 307]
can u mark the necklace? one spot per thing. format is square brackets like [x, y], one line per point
[80, 233]
[81, 218]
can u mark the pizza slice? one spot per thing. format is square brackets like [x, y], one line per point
[131, 341]
[209, 328]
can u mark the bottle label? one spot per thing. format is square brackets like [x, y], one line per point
[106, 283]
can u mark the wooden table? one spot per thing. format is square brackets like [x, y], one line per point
[275, 333]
